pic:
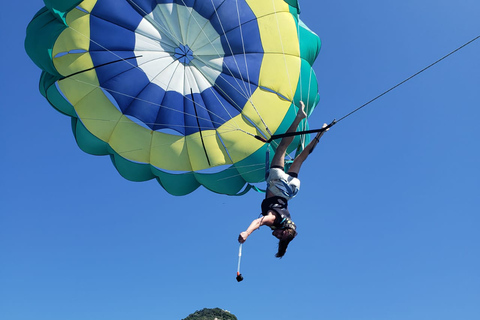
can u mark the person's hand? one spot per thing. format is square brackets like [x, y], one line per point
[242, 237]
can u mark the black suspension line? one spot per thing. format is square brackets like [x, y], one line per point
[199, 128]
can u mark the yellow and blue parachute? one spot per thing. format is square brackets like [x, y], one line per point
[176, 90]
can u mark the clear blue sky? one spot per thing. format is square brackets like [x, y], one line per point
[388, 214]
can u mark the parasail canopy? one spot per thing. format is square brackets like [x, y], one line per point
[177, 90]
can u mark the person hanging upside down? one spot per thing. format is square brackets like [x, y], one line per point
[282, 187]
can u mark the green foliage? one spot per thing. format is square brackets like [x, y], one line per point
[211, 314]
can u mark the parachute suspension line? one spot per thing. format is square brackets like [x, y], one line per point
[100, 65]
[250, 93]
[247, 94]
[300, 78]
[244, 94]
[153, 22]
[256, 167]
[267, 129]
[136, 67]
[120, 59]
[267, 162]
[372, 100]
[286, 70]
[232, 128]
[200, 129]
[237, 106]
[161, 27]
[125, 60]
[148, 102]
[308, 101]
[121, 93]
[303, 137]
[248, 75]
[409, 78]
[304, 123]
[215, 93]
[283, 48]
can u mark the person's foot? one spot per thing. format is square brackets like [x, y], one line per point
[301, 111]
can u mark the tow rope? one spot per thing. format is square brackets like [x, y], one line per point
[291, 134]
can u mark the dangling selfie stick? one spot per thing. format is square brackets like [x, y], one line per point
[239, 275]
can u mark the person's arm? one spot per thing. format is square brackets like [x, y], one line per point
[267, 220]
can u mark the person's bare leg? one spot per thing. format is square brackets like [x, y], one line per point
[297, 163]
[279, 157]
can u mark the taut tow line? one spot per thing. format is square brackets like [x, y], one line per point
[290, 134]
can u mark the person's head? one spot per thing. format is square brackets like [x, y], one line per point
[284, 236]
